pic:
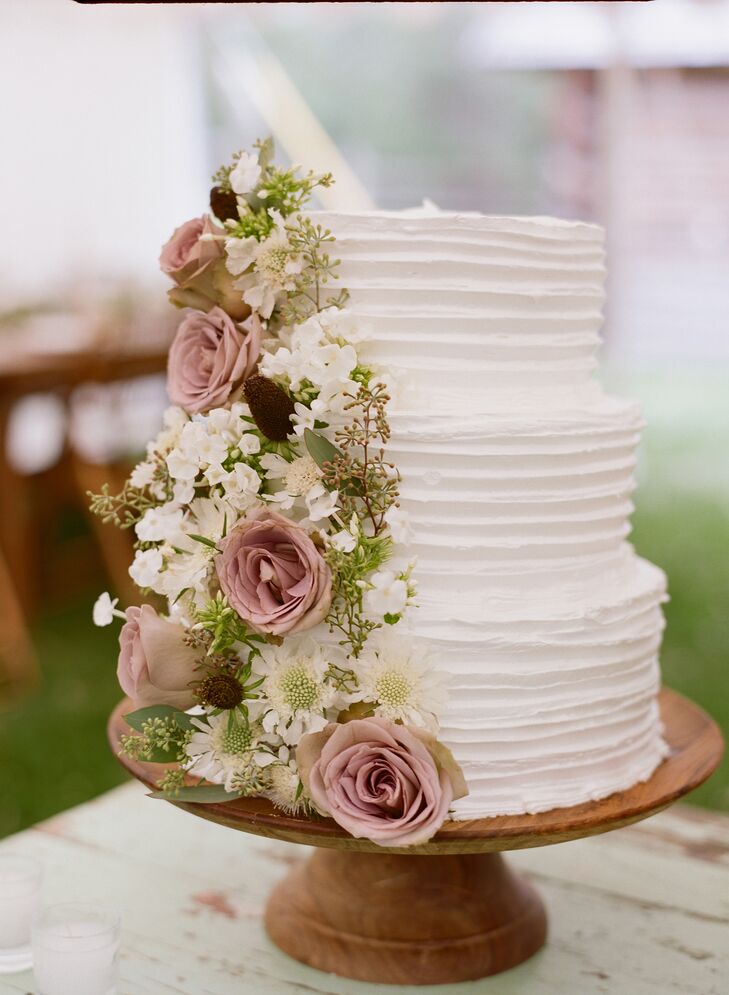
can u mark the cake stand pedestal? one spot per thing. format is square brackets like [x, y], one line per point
[450, 910]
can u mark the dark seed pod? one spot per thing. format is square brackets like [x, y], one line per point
[220, 691]
[223, 204]
[271, 407]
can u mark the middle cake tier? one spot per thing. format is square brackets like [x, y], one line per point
[513, 495]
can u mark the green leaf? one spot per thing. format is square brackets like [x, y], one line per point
[202, 794]
[203, 540]
[392, 619]
[160, 756]
[320, 449]
[137, 719]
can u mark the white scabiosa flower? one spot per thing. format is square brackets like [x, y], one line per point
[246, 174]
[397, 675]
[284, 784]
[299, 485]
[387, 595]
[265, 269]
[222, 750]
[296, 695]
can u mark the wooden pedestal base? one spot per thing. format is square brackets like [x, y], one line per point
[402, 919]
[450, 909]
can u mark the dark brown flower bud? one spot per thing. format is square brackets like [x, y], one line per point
[271, 407]
[220, 691]
[223, 204]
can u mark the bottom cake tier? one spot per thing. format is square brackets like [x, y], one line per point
[553, 697]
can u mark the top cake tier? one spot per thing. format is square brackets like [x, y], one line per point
[464, 305]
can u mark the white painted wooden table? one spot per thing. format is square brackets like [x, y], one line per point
[641, 911]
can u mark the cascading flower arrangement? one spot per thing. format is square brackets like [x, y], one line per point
[266, 515]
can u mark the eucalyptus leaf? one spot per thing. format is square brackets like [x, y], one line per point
[137, 719]
[160, 756]
[202, 794]
[320, 449]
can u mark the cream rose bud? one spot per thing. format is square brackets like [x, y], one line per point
[273, 575]
[210, 358]
[155, 667]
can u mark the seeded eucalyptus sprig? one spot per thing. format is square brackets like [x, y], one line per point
[349, 572]
[126, 508]
[309, 241]
[368, 484]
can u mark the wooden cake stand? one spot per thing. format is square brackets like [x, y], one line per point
[450, 910]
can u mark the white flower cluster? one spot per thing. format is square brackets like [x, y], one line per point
[305, 685]
[317, 362]
[266, 270]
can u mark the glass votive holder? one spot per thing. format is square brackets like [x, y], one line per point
[75, 950]
[21, 879]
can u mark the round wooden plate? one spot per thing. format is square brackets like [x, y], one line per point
[450, 910]
[696, 748]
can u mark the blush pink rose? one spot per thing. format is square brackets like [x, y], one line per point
[155, 666]
[380, 781]
[273, 575]
[185, 253]
[210, 358]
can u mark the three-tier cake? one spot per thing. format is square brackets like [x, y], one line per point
[387, 518]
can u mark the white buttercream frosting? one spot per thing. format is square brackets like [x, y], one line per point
[517, 473]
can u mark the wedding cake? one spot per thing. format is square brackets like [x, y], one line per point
[517, 472]
[381, 538]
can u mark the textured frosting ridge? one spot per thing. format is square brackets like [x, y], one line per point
[517, 473]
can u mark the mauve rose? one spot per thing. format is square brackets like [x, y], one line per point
[273, 575]
[380, 781]
[197, 265]
[155, 665]
[186, 253]
[210, 358]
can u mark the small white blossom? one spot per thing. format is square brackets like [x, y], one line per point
[183, 491]
[104, 610]
[241, 486]
[320, 502]
[246, 174]
[146, 567]
[346, 539]
[388, 594]
[398, 675]
[399, 523]
[143, 474]
[182, 465]
[162, 524]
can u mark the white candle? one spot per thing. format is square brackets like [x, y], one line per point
[75, 950]
[20, 901]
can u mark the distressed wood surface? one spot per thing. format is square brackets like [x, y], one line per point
[642, 911]
[696, 749]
